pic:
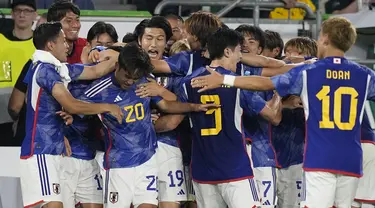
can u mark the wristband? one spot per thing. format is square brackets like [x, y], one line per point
[229, 80]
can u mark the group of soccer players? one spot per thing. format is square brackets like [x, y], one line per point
[189, 110]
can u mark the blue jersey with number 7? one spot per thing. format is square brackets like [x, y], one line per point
[218, 152]
[333, 92]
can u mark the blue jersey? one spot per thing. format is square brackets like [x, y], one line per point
[367, 130]
[288, 137]
[82, 133]
[333, 92]
[173, 85]
[44, 129]
[257, 129]
[219, 154]
[184, 63]
[133, 142]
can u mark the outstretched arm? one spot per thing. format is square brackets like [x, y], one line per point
[178, 107]
[261, 61]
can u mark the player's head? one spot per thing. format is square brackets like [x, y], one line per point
[301, 46]
[336, 33]
[42, 19]
[179, 46]
[68, 14]
[50, 37]
[133, 64]
[253, 39]
[102, 34]
[225, 44]
[23, 13]
[177, 25]
[274, 44]
[155, 36]
[199, 27]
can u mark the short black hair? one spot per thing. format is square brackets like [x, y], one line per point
[273, 40]
[159, 22]
[256, 32]
[138, 31]
[174, 16]
[221, 39]
[101, 28]
[135, 61]
[58, 10]
[46, 32]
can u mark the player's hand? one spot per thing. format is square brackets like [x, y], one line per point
[310, 61]
[68, 149]
[204, 107]
[93, 56]
[108, 54]
[116, 111]
[149, 89]
[292, 102]
[119, 44]
[85, 55]
[208, 82]
[68, 119]
[155, 117]
[295, 59]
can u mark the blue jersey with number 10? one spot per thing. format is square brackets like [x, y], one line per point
[333, 92]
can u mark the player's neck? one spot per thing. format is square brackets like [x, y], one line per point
[22, 34]
[70, 44]
[223, 63]
[330, 51]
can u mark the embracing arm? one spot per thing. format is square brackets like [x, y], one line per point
[261, 61]
[168, 122]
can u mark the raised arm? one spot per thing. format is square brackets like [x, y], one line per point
[161, 66]
[261, 61]
[109, 58]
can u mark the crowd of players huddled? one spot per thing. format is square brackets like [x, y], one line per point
[123, 124]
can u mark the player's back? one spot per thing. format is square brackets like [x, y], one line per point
[333, 95]
[218, 152]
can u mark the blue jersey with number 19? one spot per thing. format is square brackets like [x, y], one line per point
[333, 92]
[218, 153]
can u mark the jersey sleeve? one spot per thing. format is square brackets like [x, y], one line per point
[179, 63]
[47, 77]
[75, 70]
[93, 94]
[156, 99]
[251, 102]
[290, 83]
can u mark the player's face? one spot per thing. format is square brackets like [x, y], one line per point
[235, 55]
[177, 29]
[71, 25]
[250, 45]
[102, 40]
[59, 47]
[193, 41]
[292, 51]
[23, 16]
[153, 42]
[124, 79]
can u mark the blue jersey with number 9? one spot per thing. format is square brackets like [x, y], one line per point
[333, 92]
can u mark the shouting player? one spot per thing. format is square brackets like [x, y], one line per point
[333, 154]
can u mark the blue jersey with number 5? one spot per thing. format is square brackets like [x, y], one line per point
[218, 153]
[333, 92]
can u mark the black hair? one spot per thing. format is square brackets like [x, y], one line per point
[46, 32]
[138, 31]
[135, 61]
[273, 40]
[221, 39]
[58, 10]
[174, 16]
[159, 22]
[101, 28]
[256, 32]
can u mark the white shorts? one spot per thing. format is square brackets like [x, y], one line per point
[171, 177]
[289, 186]
[189, 184]
[248, 149]
[266, 180]
[99, 157]
[80, 182]
[237, 194]
[40, 180]
[366, 187]
[322, 189]
[136, 185]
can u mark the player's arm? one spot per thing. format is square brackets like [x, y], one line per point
[161, 66]
[270, 72]
[168, 122]
[272, 111]
[152, 89]
[178, 107]
[261, 61]
[74, 106]
[106, 66]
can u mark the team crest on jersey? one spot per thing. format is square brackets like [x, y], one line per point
[162, 81]
[113, 197]
[56, 188]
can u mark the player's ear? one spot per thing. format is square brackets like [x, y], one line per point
[50, 45]
[117, 66]
[325, 39]
[227, 52]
